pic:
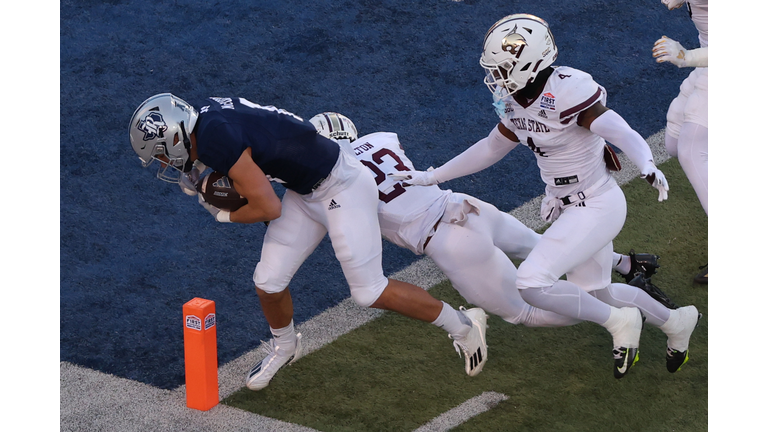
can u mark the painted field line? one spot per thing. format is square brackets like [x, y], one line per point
[456, 416]
[94, 401]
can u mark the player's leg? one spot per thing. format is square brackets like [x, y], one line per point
[676, 115]
[693, 144]
[580, 233]
[288, 242]
[517, 240]
[481, 272]
[354, 231]
[504, 230]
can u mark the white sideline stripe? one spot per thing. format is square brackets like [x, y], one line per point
[94, 401]
[456, 416]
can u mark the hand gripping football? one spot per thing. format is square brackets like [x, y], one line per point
[218, 191]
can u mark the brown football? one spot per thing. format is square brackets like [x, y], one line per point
[218, 191]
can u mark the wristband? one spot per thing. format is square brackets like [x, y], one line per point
[223, 216]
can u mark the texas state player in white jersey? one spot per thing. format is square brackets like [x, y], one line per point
[687, 133]
[468, 239]
[559, 113]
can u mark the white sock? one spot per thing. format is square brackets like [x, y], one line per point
[285, 337]
[671, 328]
[454, 322]
[621, 263]
[615, 320]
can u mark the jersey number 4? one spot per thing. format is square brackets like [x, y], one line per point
[380, 176]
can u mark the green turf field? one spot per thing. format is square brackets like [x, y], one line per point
[396, 374]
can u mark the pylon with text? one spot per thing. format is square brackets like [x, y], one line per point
[200, 357]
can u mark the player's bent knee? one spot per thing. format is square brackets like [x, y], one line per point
[263, 279]
[367, 295]
[531, 275]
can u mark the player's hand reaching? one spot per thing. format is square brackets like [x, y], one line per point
[670, 50]
[219, 214]
[415, 178]
[656, 178]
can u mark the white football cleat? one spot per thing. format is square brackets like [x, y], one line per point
[473, 345]
[261, 374]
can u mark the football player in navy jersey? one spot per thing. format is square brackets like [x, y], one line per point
[325, 194]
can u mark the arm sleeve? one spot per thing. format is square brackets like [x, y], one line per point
[614, 129]
[480, 156]
[698, 57]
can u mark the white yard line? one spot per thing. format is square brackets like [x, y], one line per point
[456, 416]
[94, 401]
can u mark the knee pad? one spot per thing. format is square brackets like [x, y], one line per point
[263, 278]
[531, 275]
[366, 296]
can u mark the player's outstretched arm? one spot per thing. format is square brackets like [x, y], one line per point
[614, 129]
[478, 157]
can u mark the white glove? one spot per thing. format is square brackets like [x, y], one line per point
[670, 50]
[415, 178]
[656, 178]
[672, 4]
[188, 181]
[219, 214]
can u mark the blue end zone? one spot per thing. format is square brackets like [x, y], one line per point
[134, 249]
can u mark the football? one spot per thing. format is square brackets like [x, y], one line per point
[218, 191]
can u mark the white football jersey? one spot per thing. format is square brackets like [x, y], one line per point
[569, 156]
[406, 214]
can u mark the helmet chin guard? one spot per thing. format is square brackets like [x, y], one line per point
[515, 50]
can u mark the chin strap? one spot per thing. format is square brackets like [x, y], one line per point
[187, 145]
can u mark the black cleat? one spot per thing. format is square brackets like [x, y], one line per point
[703, 275]
[643, 263]
[645, 284]
[690, 320]
[676, 359]
[623, 360]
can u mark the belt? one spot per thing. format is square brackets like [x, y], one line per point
[434, 230]
[566, 200]
[319, 182]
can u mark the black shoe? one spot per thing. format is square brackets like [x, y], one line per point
[643, 263]
[623, 360]
[689, 321]
[676, 359]
[703, 275]
[645, 284]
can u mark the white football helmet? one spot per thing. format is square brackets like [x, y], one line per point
[515, 50]
[160, 126]
[334, 126]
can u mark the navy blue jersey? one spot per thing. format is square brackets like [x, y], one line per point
[288, 149]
